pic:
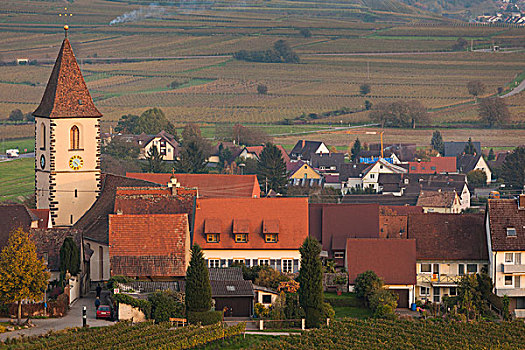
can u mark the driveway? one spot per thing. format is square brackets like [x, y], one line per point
[72, 319]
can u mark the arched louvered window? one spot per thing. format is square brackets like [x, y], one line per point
[42, 136]
[75, 138]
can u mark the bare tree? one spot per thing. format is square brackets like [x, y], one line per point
[493, 111]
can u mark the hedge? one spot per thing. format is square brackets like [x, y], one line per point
[204, 317]
[343, 302]
[142, 305]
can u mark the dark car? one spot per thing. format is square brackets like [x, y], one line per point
[104, 311]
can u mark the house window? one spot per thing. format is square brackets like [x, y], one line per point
[241, 238]
[517, 258]
[517, 282]
[424, 290]
[74, 135]
[433, 168]
[372, 176]
[238, 261]
[426, 268]
[453, 291]
[43, 137]
[46, 258]
[270, 238]
[472, 268]
[266, 299]
[212, 237]
[511, 232]
[461, 269]
[264, 262]
[339, 255]
[214, 263]
[508, 280]
[509, 258]
[437, 294]
[287, 266]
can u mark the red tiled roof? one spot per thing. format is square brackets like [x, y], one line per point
[440, 165]
[342, 221]
[436, 199]
[394, 260]
[66, 93]
[448, 236]
[401, 210]
[258, 149]
[209, 185]
[503, 214]
[43, 217]
[148, 245]
[287, 215]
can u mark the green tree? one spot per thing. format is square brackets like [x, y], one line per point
[365, 89]
[368, 105]
[311, 282]
[356, 149]
[460, 45]
[491, 155]
[506, 312]
[475, 88]
[469, 296]
[154, 159]
[383, 303]
[477, 178]
[493, 111]
[122, 149]
[192, 159]
[69, 258]
[513, 169]
[469, 147]
[192, 133]
[366, 284]
[399, 114]
[198, 288]
[271, 169]
[16, 115]
[437, 142]
[270, 278]
[127, 124]
[305, 32]
[262, 89]
[22, 274]
[165, 305]
[151, 122]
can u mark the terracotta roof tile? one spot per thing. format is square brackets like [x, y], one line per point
[209, 185]
[394, 260]
[148, 244]
[503, 214]
[13, 216]
[66, 93]
[448, 236]
[291, 214]
[435, 165]
[49, 241]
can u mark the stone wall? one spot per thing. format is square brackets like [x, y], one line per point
[129, 313]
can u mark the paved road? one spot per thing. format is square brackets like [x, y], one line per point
[72, 319]
[516, 90]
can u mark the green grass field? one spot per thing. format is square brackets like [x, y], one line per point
[25, 145]
[18, 179]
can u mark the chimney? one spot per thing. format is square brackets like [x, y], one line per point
[521, 202]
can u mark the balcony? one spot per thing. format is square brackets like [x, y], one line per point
[512, 268]
[439, 280]
[511, 292]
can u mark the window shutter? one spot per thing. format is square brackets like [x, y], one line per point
[223, 262]
[206, 261]
[230, 262]
[295, 265]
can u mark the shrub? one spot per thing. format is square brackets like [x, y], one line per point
[366, 284]
[165, 305]
[328, 311]
[262, 89]
[204, 317]
[383, 303]
[112, 282]
[261, 311]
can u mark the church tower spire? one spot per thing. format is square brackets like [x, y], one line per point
[67, 149]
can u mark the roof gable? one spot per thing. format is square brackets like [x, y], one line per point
[66, 93]
[454, 149]
[503, 214]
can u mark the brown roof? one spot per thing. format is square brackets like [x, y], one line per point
[13, 216]
[315, 220]
[400, 210]
[258, 149]
[287, 216]
[436, 199]
[49, 241]
[342, 221]
[394, 260]
[43, 217]
[448, 236]
[66, 93]
[503, 214]
[94, 222]
[209, 185]
[148, 245]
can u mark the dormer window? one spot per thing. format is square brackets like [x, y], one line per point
[271, 231]
[270, 238]
[241, 238]
[212, 237]
[511, 232]
[241, 228]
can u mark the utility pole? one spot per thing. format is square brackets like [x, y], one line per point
[368, 70]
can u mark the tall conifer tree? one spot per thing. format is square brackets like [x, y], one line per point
[198, 289]
[311, 282]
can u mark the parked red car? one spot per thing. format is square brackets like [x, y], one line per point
[104, 311]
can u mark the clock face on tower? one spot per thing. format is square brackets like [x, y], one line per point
[76, 162]
[42, 161]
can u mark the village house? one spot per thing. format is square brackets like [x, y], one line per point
[231, 293]
[166, 145]
[252, 231]
[468, 162]
[327, 163]
[454, 148]
[505, 229]
[393, 260]
[439, 202]
[448, 247]
[253, 152]
[303, 150]
[436, 165]
[302, 174]
[368, 177]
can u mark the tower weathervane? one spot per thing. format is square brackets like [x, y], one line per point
[66, 27]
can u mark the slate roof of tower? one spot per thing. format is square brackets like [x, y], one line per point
[66, 93]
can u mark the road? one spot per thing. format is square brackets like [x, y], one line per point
[516, 90]
[3, 157]
[72, 319]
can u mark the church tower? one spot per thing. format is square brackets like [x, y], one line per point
[67, 143]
